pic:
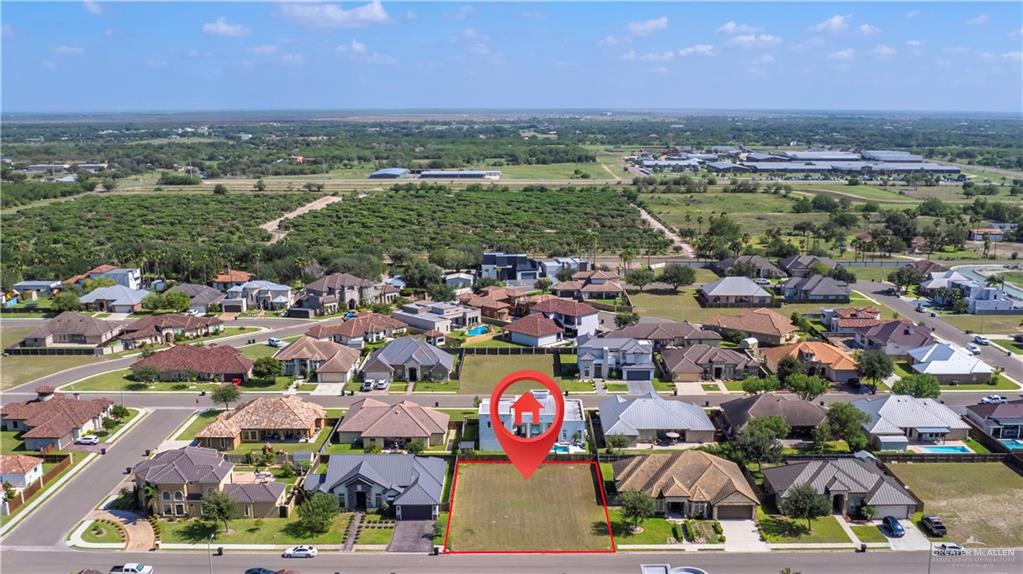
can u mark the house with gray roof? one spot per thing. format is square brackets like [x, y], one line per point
[764, 267]
[799, 265]
[408, 359]
[896, 338]
[114, 299]
[180, 477]
[201, 297]
[411, 484]
[259, 294]
[705, 363]
[849, 483]
[615, 358]
[894, 421]
[70, 328]
[814, 289]
[733, 292]
[649, 418]
[669, 334]
[801, 416]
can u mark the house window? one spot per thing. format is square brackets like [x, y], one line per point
[378, 501]
[167, 509]
[251, 435]
[341, 502]
[166, 495]
[179, 509]
[248, 510]
[178, 495]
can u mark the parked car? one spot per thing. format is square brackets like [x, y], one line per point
[973, 348]
[891, 524]
[381, 385]
[934, 526]
[193, 313]
[260, 571]
[994, 400]
[301, 551]
[367, 385]
[133, 567]
[88, 439]
[275, 342]
[981, 340]
[762, 281]
[949, 549]
[1018, 338]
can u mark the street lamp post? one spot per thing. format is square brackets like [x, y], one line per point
[209, 550]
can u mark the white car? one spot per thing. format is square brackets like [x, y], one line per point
[994, 400]
[973, 348]
[949, 549]
[133, 568]
[762, 281]
[381, 385]
[87, 439]
[275, 342]
[367, 385]
[981, 340]
[302, 551]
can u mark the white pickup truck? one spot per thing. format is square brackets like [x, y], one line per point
[133, 568]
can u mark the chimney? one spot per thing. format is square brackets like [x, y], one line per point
[45, 392]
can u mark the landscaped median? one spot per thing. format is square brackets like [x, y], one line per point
[124, 380]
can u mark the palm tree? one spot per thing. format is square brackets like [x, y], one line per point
[626, 256]
[995, 281]
[150, 496]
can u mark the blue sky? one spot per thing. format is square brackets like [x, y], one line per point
[117, 56]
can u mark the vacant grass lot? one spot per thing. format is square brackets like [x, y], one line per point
[983, 501]
[480, 373]
[558, 508]
[987, 324]
[23, 369]
[551, 171]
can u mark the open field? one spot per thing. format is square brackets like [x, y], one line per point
[572, 516]
[550, 171]
[979, 501]
[480, 373]
[987, 324]
[683, 306]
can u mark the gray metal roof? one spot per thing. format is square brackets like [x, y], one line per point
[734, 287]
[118, 294]
[817, 286]
[894, 413]
[188, 464]
[852, 475]
[256, 492]
[404, 350]
[415, 480]
[623, 416]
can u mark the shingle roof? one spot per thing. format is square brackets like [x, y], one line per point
[355, 327]
[534, 326]
[255, 492]
[337, 282]
[894, 413]
[55, 417]
[118, 294]
[665, 331]
[207, 360]
[692, 358]
[18, 463]
[416, 480]
[754, 322]
[817, 286]
[824, 353]
[623, 416]
[188, 464]
[151, 325]
[761, 262]
[409, 349]
[692, 474]
[334, 357]
[796, 412]
[265, 413]
[71, 323]
[564, 307]
[901, 332]
[1011, 409]
[199, 294]
[855, 476]
[806, 261]
[375, 419]
[734, 287]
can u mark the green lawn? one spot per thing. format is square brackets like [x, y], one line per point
[458, 415]
[441, 529]
[200, 422]
[480, 373]
[374, 536]
[868, 533]
[18, 370]
[999, 382]
[983, 501]
[494, 343]
[251, 531]
[1009, 345]
[103, 532]
[104, 433]
[655, 530]
[986, 324]
[683, 306]
[713, 388]
[976, 446]
[551, 171]
[781, 529]
[123, 380]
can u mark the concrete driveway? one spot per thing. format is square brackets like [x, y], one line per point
[913, 540]
[742, 536]
[412, 536]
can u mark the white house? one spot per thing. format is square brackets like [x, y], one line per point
[950, 364]
[894, 421]
[573, 317]
[258, 294]
[19, 470]
[573, 429]
[615, 358]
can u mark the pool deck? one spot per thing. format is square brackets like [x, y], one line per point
[958, 445]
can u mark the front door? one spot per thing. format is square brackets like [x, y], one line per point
[413, 374]
[360, 501]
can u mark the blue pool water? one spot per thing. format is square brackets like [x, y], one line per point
[477, 330]
[1012, 443]
[945, 449]
[560, 449]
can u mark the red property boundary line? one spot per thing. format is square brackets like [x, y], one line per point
[603, 501]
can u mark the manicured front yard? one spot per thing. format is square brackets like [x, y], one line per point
[104, 433]
[782, 529]
[655, 530]
[103, 532]
[571, 520]
[122, 380]
[251, 531]
[999, 382]
[983, 501]
[200, 422]
[374, 536]
[868, 533]
[311, 446]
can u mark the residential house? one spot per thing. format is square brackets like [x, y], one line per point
[551, 267]
[266, 419]
[893, 421]
[814, 289]
[53, 421]
[349, 291]
[573, 428]
[938, 280]
[410, 484]
[574, 317]
[20, 471]
[925, 266]
[181, 477]
[408, 359]
[615, 358]
[372, 422]
[801, 416]
[801, 265]
[1002, 421]
[489, 307]
[950, 364]
[705, 363]
[534, 331]
[981, 299]
[985, 233]
[848, 483]
[438, 316]
[509, 267]
[896, 338]
[649, 419]
[260, 294]
[460, 282]
[130, 278]
[766, 326]
[360, 330]
[765, 269]
[669, 334]
[114, 299]
[231, 278]
[733, 292]
[818, 358]
[321, 360]
[201, 297]
[510, 295]
[590, 285]
[161, 329]
[70, 328]
[46, 288]
[208, 363]
[850, 320]
[690, 483]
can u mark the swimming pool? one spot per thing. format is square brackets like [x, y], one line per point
[945, 449]
[1012, 443]
[477, 330]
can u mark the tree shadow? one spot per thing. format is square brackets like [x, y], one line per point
[783, 527]
[198, 531]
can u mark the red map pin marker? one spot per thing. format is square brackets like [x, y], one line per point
[527, 454]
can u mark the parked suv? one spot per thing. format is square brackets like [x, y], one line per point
[891, 524]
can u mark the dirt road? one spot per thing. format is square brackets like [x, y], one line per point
[274, 226]
[674, 237]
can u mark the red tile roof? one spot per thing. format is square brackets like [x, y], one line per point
[564, 307]
[151, 325]
[209, 360]
[534, 326]
[18, 463]
[55, 417]
[356, 326]
[232, 276]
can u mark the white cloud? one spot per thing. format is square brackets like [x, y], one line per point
[220, 27]
[836, 23]
[647, 27]
[869, 29]
[474, 41]
[978, 20]
[733, 27]
[333, 16]
[265, 49]
[882, 51]
[465, 11]
[608, 41]
[757, 40]
[65, 50]
[842, 55]
[92, 7]
[359, 52]
[631, 55]
[7, 31]
[1017, 33]
[293, 59]
[764, 59]
[1015, 56]
[697, 50]
[912, 14]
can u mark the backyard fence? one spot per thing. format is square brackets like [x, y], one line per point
[920, 457]
[39, 351]
[26, 493]
[514, 351]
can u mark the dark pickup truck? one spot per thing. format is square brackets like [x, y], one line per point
[934, 526]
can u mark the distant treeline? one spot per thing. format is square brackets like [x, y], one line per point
[21, 193]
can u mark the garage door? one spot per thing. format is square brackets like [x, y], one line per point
[416, 512]
[637, 375]
[735, 512]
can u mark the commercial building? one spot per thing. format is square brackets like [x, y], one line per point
[460, 174]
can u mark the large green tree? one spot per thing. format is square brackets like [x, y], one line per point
[217, 507]
[226, 394]
[317, 513]
[919, 386]
[677, 275]
[802, 501]
[874, 365]
[636, 506]
[806, 386]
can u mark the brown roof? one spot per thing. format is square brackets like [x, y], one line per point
[152, 325]
[857, 323]
[823, 353]
[692, 474]
[71, 323]
[55, 417]
[534, 326]
[479, 302]
[857, 312]
[692, 358]
[610, 286]
[569, 286]
[926, 266]
[338, 282]
[18, 463]
[375, 419]
[564, 307]
[335, 358]
[208, 360]
[105, 268]
[590, 275]
[755, 322]
[499, 293]
[664, 331]
[265, 413]
[796, 412]
[233, 276]
[356, 326]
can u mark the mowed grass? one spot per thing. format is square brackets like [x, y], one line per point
[987, 324]
[868, 533]
[481, 373]
[983, 501]
[551, 171]
[18, 370]
[558, 508]
[683, 306]
[780, 529]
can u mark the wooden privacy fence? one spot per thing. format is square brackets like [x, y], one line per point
[922, 457]
[26, 493]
